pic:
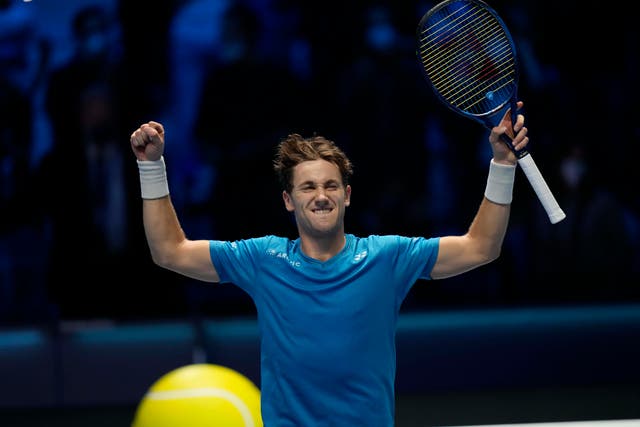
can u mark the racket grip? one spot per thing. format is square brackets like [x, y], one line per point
[541, 188]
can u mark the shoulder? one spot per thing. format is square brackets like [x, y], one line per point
[254, 244]
[386, 239]
[393, 242]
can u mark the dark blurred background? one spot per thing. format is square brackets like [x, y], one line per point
[229, 79]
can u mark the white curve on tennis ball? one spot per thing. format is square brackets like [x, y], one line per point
[245, 413]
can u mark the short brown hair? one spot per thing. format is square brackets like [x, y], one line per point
[295, 149]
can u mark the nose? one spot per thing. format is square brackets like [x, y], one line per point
[321, 193]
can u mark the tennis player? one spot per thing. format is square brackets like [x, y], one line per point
[327, 302]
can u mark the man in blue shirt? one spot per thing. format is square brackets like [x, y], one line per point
[328, 301]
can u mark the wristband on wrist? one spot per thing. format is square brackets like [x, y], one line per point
[500, 183]
[153, 178]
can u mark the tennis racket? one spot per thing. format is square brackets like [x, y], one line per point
[469, 58]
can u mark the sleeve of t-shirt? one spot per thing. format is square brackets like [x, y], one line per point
[237, 261]
[427, 248]
[413, 259]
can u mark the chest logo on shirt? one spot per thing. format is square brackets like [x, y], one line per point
[360, 256]
[283, 256]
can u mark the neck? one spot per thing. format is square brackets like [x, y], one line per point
[322, 248]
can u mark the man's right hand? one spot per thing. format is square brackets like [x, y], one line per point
[147, 142]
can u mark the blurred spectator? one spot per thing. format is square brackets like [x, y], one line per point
[144, 27]
[23, 53]
[589, 255]
[382, 101]
[86, 176]
[249, 100]
[248, 103]
[23, 56]
[193, 43]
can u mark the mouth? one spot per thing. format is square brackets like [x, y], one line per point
[322, 211]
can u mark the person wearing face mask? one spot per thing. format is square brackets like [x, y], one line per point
[594, 253]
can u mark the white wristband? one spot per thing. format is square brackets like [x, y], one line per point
[500, 183]
[153, 178]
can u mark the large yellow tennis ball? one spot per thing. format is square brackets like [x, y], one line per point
[200, 395]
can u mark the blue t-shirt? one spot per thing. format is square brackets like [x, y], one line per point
[327, 329]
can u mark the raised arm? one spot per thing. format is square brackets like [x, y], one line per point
[483, 241]
[167, 241]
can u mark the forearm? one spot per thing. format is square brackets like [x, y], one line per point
[490, 224]
[482, 243]
[162, 229]
[483, 240]
[489, 228]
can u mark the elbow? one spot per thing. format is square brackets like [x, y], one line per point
[493, 254]
[489, 250]
[162, 259]
[159, 261]
[166, 254]
[488, 256]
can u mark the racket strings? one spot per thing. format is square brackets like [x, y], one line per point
[469, 58]
[459, 53]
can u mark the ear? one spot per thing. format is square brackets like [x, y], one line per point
[347, 197]
[288, 202]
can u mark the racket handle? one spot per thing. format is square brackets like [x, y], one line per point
[541, 188]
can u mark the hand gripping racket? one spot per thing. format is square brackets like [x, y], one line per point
[469, 58]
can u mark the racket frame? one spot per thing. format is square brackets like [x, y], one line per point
[492, 118]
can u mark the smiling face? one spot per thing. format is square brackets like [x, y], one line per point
[318, 199]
